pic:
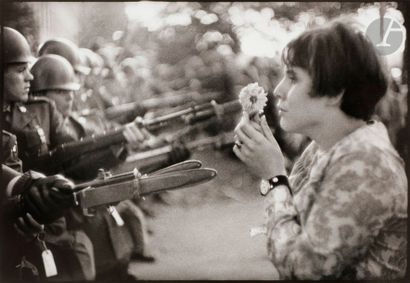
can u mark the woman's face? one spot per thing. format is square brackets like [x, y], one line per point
[298, 112]
[63, 100]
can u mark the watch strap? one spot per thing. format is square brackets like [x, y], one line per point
[279, 180]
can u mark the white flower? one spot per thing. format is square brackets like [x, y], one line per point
[253, 98]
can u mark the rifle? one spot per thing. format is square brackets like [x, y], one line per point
[155, 157]
[167, 100]
[67, 152]
[109, 189]
[192, 114]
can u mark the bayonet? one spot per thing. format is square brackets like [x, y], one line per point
[110, 189]
[184, 165]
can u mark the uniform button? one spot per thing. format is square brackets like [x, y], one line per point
[22, 109]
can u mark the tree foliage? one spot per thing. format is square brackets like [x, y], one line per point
[20, 16]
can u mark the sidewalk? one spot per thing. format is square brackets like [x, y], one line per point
[203, 234]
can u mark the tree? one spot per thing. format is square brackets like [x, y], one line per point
[20, 16]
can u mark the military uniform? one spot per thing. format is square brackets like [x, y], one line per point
[10, 151]
[86, 166]
[16, 262]
[113, 244]
[39, 126]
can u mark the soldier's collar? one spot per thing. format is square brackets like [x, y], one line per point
[6, 108]
[20, 106]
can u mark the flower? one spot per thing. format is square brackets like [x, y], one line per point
[253, 98]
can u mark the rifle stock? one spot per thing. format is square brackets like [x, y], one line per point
[67, 152]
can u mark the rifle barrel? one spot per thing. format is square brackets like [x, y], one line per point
[69, 151]
[217, 141]
[217, 110]
[195, 113]
[166, 100]
[169, 100]
[119, 110]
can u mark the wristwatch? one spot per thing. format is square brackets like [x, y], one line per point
[272, 183]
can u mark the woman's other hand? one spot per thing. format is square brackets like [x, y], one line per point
[258, 149]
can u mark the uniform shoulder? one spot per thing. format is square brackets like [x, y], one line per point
[7, 133]
[38, 99]
[37, 103]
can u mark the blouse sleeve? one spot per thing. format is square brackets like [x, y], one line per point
[348, 208]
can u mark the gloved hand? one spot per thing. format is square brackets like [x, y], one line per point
[47, 198]
[179, 153]
[27, 227]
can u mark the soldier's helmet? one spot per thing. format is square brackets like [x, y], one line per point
[66, 49]
[92, 59]
[129, 64]
[15, 46]
[53, 72]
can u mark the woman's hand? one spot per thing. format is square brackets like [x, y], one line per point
[258, 149]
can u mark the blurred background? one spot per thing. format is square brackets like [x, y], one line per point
[151, 49]
[159, 47]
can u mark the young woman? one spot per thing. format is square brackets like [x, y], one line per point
[343, 211]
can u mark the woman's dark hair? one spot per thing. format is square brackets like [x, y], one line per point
[340, 59]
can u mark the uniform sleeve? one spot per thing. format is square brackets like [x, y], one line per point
[20, 184]
[348, 209]
[86, 166]
[7, 174]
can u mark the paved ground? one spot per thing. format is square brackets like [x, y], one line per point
[203, 232]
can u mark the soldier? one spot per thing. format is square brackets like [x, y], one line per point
[28, 202]
[93, 81]
[23, 250]
[38, 127]
[83, 101]
[24, 117]
[114, 242]
[95, 119]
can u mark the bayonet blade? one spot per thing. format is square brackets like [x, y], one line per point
[175, 180]
[141, 186]
[184, 165]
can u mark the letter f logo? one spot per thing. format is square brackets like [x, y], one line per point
[387, 35]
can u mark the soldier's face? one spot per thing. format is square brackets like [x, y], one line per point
[63, 100]
[17, 78]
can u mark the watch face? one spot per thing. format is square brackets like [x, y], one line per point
[264, 188]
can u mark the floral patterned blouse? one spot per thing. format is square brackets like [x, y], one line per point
[347, 217]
